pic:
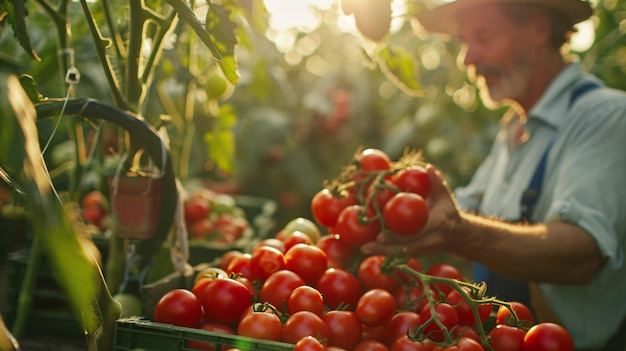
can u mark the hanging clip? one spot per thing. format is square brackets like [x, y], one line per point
[72, 76]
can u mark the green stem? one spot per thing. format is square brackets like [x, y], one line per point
[25, 299]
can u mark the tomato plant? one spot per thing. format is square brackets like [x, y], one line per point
[405, 213]
[548, 337]
[178, 307]
[344, 328]
[375, 307]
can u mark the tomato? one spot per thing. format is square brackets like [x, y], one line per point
[400, 324]
[294, 238]
[309, 343]
[303, 225]
[302, 324]
[375, 307]
[378, 333]
[224, 300]
[308, 261]
[373, 160]
[327, 206]
[196, 209]
[444, 270]
[445, 313]
[414, 180]
[278, 286]
[506, 338]
[379, 193]
[371, 345]
[226, 257]
[210, 272]
[305, 298]
[261, 325]
[548, 337]
[344, 328]
[523, 312]
[464, 311]
[241, 265]
[413, 263]
[465, 344]
[266, 260]
[371, 277]
[407, 298]
[405, 213]
[404, 343]
[207, 345]
[466, 331]
[95, 215]
[200, 285]
[178, 307]
[357, 226]
[273, 242]
[339, 287]
[336, 249]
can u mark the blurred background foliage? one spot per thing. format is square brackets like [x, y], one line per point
[308, 95]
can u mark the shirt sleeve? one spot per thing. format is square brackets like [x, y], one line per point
[588, 189]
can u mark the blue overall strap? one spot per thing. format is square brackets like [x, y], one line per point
[531, 195]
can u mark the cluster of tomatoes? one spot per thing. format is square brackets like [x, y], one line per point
[214, 217]
[318, 292]
[95, 209]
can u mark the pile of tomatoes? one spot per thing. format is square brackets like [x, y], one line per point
[313, 288]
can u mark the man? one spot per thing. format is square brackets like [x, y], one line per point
[566, 234]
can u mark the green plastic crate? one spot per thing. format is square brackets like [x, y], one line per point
[136, 333]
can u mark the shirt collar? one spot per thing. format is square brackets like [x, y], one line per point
[553, 104]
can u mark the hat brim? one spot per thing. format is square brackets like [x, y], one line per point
[444, 19]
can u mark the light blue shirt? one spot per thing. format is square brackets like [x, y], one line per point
[584, 184]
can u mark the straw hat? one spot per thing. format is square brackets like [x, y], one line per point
[444, 18]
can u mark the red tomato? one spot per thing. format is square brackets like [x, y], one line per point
[278, 286]
[94, 215]
[372, 160]
[305, 298]
[327, 206]
[226, 257]
[241, 265]
[357, 226]
[178, 307]
[308, 261]
[344, 327]
[200, 285]
[400, 324]
[525, 316]
[465, 344]
[444, 270]
[309, 343]
[413, 263]
[445, 313]
[196, 209]
[464, 311]
[302, 324]
[380, 193]
[207, 345]
[336, 250]
[404, 343]
[94, 198]
[506, 338]
[375, 307]
[296, 237]
[405, 213]
[261, 325]
[224, 300]
[548, 337]
[371, 277]
[371, 345]
[339, 287]
[414, 180]
[273, 242]
[266, 260]
[378, 333]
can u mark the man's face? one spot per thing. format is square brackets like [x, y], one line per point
[497, 54]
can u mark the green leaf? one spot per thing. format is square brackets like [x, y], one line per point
[223, 31]
[69, 259]
[188, 16]
[221, 148]
[30, 87]
[17, 12]
[400, 67]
